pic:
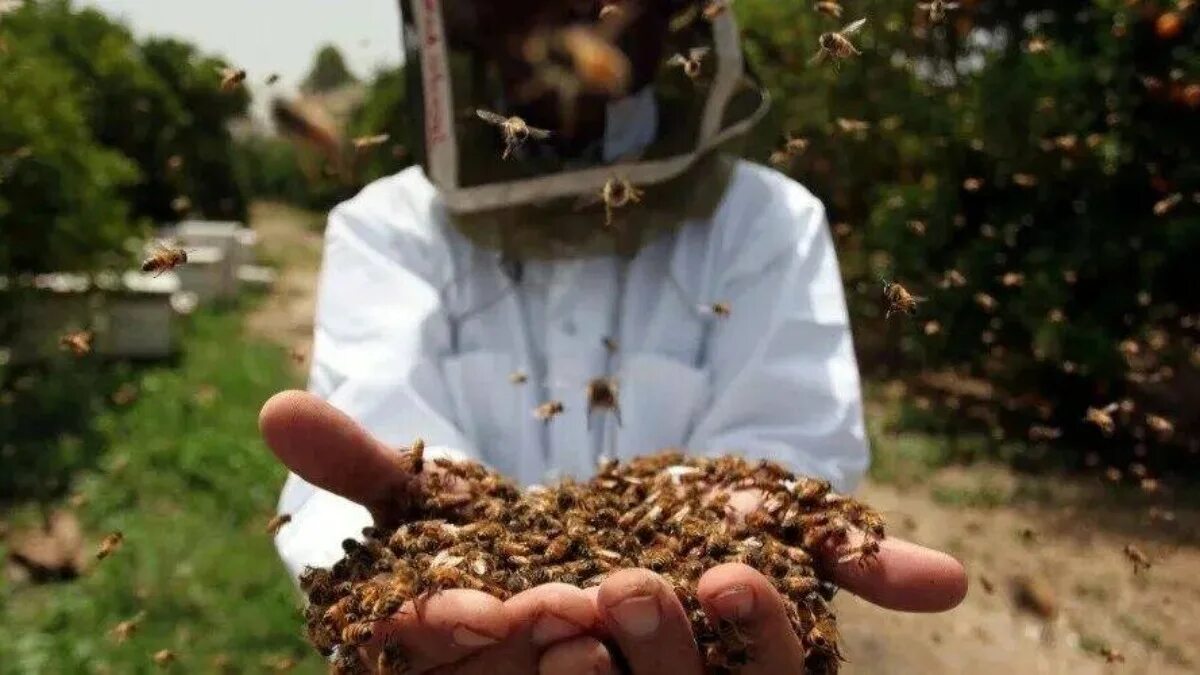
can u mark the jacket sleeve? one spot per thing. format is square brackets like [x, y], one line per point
[381, 331]
[782, 366]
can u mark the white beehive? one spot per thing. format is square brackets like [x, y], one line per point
[209, 273]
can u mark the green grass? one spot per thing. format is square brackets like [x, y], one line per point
[191, 486]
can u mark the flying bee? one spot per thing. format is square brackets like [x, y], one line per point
[602, 394]
[1167, 204]
[1141, 562]
[232, 78]
[110, 544]
[829, 8]
[937, 9]
[78, 342]
[1102, 418]
[164, 658]
[272, 79]
[1161, 426]
[986, 302]
[721, 310]
[548, 411]
[610, 344]
[795, 145]
[276, 524]
[852, 126]
[365, 142]
[514, 130]
[715, 8]
[125, 629]
[692, 63]
[836, 46]
[164, 259]
[617, 193]
[518, 377]
[1037, 45]
[899, 299]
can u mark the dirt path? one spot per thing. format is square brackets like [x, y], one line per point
[1066, 533]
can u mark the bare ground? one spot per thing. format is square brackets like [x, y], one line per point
[1065, 533]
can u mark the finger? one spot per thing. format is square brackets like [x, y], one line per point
[581, 656]
[649, 625]
[539, 618]
[447, 627]
[903, 576]
[325, 447]
[755, 615]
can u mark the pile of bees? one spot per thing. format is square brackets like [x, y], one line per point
[467, 527]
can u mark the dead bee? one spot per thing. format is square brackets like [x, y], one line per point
[602, 395]
[692, 63]
[232, 78]
[1102, 418]
[937, 9]
[514, 130]
[164, 658]
[836, 46]
[518, 377]
[1111, 655]
[1164, 206]
[899, 299]
[1161, 426]
[1141, 562]
[365, 142]
[79, 342]
[276, 524]
[829, 8]
[110, 544]
[548, 411]
[164, 259]
[125, 629]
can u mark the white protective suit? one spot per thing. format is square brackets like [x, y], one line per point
[418, 332]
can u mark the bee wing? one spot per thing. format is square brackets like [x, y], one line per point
[951, 5]
[1110, 408]
[677, 60]
[699, 52]
[540, 134]
[489, 117]
[854, 27]
[818, 57]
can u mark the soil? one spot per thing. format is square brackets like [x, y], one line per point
[1061, 535]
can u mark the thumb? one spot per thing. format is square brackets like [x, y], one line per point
[325, 447]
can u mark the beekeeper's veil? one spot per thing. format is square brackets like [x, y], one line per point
[506, 56]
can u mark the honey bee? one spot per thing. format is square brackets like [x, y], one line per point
[110, 544]
[610, 344]
[836, 46]
[548, 411]
[795, 145]
[79, 342]
[1164, 206]
[932, 328]
[602, 395]
[1037, 45]
[618, 193]
[1011, 279]
[1111, 655]
[1102, 418]
[358, 633]
[1161, 426]
[392, 658]
[125, 629]
[272, 79]
[365, 142]
[862, 554]
[796, 585]
[1141, 562]
[899, 299]
[780, 159]
[829, 8]
[164, 658]
[276, 524]
[937, 9]
[715, 8]
[232, 78]
[917, 227]
[851, 126]
[972, 184]
[986, 302]
[514, 131]
[692, 63]
[518, 377]
[611, 10]
[164, 259]
[721, 310]
[1040, 433]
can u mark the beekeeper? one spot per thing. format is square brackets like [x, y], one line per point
[505, 272]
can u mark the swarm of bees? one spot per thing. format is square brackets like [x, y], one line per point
[667, 512]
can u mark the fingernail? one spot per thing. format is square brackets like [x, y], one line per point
[551, 628]
[465, 637]
[637, 616]
[735, 603]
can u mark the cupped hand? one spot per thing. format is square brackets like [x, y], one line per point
[633, 617]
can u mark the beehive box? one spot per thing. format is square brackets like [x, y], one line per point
[209, 273]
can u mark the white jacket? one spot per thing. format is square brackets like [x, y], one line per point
[418, 332]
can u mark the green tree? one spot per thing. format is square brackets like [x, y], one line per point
[328, 72]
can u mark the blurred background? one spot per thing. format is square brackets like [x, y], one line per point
[1031, 169]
